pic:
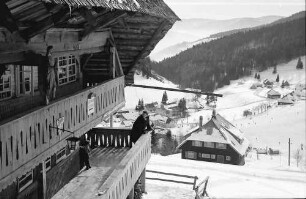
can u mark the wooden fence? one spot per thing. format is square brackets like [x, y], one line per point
[201, 189]
[27, 141]
[175, 181]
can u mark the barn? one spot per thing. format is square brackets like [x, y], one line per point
[216, 141]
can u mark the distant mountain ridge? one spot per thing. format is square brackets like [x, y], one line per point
[213, 64]
[282, 20]
[184, 33]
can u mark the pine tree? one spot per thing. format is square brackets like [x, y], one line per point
[277, 78]
[274, 70]
[165, 98]
[299, 64]
[182, 106]
[140, 105]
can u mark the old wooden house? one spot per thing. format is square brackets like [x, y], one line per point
[216, 141]
[273, 94]
[96, 46]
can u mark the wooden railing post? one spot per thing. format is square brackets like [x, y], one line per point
[131, 194]
[44, 176]
[143, 181]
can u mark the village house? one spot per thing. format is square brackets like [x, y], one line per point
[300, 90]
[256, 85]
[272, 94]
[216, 141]
[91, 47]
[287, 99]
[267, 83]
[151, 107]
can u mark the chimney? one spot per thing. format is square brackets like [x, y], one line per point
[213, 113]
[201, 121]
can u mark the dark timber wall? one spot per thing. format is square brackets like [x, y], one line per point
[229, 151]
[62, 173]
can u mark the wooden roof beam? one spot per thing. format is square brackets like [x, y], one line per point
[46, 24]
[104, 21]
[6, 18]
[146, 48]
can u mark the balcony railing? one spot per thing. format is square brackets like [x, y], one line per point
[121, 181]
[27, 141]
[115, 166]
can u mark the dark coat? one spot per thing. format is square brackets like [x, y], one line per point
[139, 127]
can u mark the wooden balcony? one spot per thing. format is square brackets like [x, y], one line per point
[27, 140]
[115, 166]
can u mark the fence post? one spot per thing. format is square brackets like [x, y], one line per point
[194, 182]
[143, 180]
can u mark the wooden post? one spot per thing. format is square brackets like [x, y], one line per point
[143, 180]
[201, 121]
[114, 62]
[17, 80]
[289, 153]
[32, 80]
[194, 182]
[44, 180]
[131, 195]
[111, 122]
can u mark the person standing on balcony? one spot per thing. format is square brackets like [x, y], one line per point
[48, 77]
[84, 157]
[140, 126]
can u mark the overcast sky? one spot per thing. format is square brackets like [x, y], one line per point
[227, 9]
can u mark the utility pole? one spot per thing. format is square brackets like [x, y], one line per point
[280, 155]
[289, 153]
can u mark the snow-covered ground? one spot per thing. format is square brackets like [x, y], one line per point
[264, 177]
[262, 180]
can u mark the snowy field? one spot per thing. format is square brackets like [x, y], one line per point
[225, 181]
[264, 177]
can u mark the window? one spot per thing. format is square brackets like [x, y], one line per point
[220, 146]
[25, 78]
[228, 158]
[48, 163]
[25, 180]
[197, 143]
[209, 144]
[212, 156]
[60, 155]
[205, 155]
[190, 155]
[5, 85]
[66, 69]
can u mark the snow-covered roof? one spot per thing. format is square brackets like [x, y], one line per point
[273, 92]
[157, 117]
[219, 130]
[130, 115]
[268, 82]
[287, 99]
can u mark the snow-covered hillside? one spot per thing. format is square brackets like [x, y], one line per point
[263, 177]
